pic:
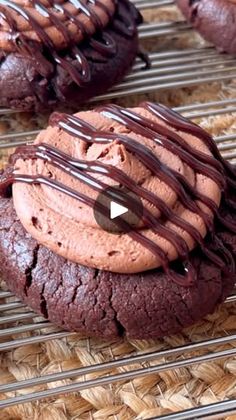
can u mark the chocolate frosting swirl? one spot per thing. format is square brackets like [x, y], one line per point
[172, 164]
[59, 22]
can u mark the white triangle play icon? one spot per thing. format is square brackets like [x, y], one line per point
[117, 210]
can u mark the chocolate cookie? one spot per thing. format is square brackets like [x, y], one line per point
[64, 52]
[167, 272]
[96, 302]
[214, 20]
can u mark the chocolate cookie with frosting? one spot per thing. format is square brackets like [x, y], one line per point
[214, 19]
[171, 269]
[65, 51]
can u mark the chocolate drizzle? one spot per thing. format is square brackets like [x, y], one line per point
[214, 167]
[101, 42]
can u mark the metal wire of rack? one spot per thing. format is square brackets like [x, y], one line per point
[169, 69]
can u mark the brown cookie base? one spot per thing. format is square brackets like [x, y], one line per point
[23, 87]
[214, 20]
[99, 303]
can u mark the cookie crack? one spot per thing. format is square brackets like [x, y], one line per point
[76, 288]
[29, 270]
[43, 303]
[120, 328]
[194, 12]
[74, 294]
[177, 318]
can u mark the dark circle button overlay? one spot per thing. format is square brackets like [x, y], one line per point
[118, 210]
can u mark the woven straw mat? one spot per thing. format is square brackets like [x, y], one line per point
[155, 394]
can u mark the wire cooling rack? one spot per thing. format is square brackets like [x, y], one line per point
[170, 69]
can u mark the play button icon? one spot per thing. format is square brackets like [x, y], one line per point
[118, 210]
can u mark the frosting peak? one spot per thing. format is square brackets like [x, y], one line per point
[153, 151]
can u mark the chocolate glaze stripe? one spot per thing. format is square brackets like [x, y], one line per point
[105, 45]
[54, 19]
[181, 123]
[5, 15]
[70, 165]
[88, 12]
[74, 125]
